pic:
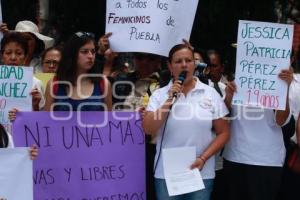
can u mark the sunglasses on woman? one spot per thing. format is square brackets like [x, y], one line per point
[85, 34]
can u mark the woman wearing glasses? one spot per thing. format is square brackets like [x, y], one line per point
[78, 82]
[50, 59]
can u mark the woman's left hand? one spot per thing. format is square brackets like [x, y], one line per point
[33, 151]
[286, 75]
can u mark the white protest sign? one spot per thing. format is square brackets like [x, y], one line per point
[15, 88]
[149, 26]
[15, 174]
[263, 50]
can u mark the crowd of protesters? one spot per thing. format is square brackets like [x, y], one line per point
[237, 159]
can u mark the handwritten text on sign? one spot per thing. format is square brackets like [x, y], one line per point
[85, 162]
[149, 26]
[15, 87]
[263, 50]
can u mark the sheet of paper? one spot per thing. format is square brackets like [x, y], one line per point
[180, 179]
[15, 174]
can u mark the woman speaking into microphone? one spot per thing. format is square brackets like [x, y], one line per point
[183, 114]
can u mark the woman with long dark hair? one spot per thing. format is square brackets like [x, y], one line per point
[79, 79]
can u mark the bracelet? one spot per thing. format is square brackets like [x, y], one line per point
[202, 158]
[169, 99]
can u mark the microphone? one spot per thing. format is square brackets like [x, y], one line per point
[181, 79]
[199, 72]
[201, 65]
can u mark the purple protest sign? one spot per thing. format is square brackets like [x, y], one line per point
[90, 156]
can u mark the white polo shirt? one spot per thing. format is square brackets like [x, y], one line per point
[255, 138]
[189, 123]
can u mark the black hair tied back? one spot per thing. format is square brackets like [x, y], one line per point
[3, 137]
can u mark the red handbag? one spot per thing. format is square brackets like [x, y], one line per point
[294, 158]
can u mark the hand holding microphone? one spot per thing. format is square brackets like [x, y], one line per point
[177, 86]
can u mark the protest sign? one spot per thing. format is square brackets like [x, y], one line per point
[263, 50]
[15, 87]
[44, 77]
[87, 155]
[15, 174]
[149, 26]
